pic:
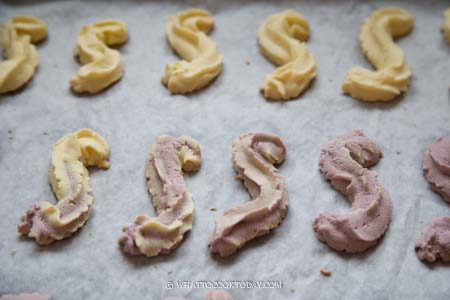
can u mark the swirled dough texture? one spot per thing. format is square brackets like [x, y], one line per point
[70, 181]
[102, 65]
[344, 162]
[446, 25]
[435, 240]
[18, 36]
[254, 155]
[187, 34]
[211, 295]
[376, 39]
[281, 39]
[168, 158]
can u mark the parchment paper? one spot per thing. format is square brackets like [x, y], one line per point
[132, 113]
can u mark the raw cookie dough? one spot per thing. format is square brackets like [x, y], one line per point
[435, 240]
[187, 34]
[211, 295]
[174, 206]
[376, 39]
[102, 65]
[18, 36]
[344, 162]
[254, 155]
[70, 181]
[281, 39]
[446, 25]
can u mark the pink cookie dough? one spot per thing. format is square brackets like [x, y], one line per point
[435, 240]
[169, 158]
[344, 162]
[436, 166]
[254, 157]
[211, 295]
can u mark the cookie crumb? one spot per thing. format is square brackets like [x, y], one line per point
[213, 209]
[325, 272]
[247, 62]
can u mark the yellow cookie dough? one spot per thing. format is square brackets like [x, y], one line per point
[446, 25]
[168, 158]
[281, 38]
[17, 36]
[102, 65]
[187, 34]
[376, 40]
[70, 181]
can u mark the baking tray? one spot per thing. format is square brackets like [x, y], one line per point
[133, 112]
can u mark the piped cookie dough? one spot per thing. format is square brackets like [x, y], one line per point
[436, 166]
[70, 181]
[254, 157]
[17, 37]
[446, 25]
[434, 243]
[435, 240]
[102, 66]
[187, 34]
[376, 40]
[282, 40]
[152, 236]
[211, 295]
[344, 162]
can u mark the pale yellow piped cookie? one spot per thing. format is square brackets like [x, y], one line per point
[376, 39]
[281, 39]
[187, 34]
[102, 65]
[446, 25]
[69, 178]
[17, 36]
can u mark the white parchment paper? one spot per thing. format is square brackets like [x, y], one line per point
[132, 113]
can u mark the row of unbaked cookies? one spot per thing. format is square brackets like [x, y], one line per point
[344, 161]
[281, 37]
[212, 294]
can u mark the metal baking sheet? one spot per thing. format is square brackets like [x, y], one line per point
[132, 113]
